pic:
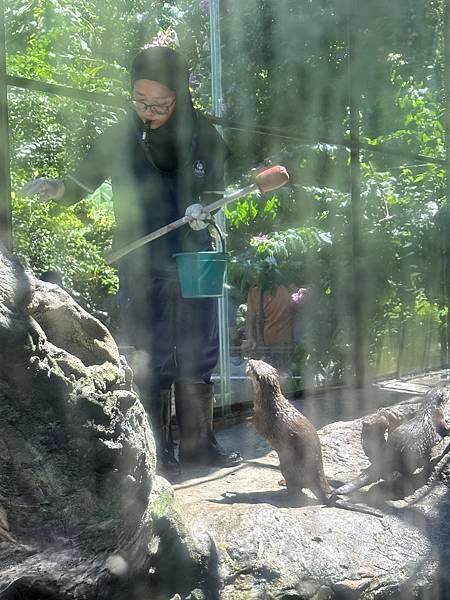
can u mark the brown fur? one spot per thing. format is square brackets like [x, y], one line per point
[408, 446]
[292, 436]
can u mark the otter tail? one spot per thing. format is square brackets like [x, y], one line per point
[368, 476]
[333, 500]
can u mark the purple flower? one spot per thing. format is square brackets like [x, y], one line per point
[298, 296]
[203, 5]
[259, 239]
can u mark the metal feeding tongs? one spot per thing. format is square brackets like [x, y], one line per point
[267, 180]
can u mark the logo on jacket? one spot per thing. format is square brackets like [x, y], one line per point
[199, 168]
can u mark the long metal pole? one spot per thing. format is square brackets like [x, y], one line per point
[5, 174]
[447, 160]
[154, 235]
[217, 105]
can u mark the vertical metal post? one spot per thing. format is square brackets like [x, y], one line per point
[5, 175]
[447, 167]
[216, 57]
[217, 107]
[359, 283]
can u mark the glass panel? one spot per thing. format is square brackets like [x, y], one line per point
[359, 243]
[357, 249]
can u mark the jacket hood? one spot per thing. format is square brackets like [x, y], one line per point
[164, 65]
[170, 144]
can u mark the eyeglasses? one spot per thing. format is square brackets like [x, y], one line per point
[155, 109]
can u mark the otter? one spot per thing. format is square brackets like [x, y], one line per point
[293, 437]
[408, 445]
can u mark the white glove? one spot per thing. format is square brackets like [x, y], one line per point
[197, 216]
[44, 187]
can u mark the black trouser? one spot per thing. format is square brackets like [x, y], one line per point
[179, 335]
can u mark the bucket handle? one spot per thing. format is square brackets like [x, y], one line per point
[220, 234]
[212, 222]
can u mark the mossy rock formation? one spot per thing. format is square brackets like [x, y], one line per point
[82, 513]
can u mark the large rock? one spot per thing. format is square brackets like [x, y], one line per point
[82, 514]
[69, 326]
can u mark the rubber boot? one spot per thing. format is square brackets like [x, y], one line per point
[166, 463]
[198, 444]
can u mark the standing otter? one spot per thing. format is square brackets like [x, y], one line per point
[292, 436]
[407, 447]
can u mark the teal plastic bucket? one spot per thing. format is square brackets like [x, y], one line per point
[201, 274]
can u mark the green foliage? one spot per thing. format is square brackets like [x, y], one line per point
[277, 258]
[284, 65]
[403, 231]
[70, 241]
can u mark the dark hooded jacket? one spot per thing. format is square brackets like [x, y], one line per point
[156, 178]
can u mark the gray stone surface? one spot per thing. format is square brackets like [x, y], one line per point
[69, 326]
